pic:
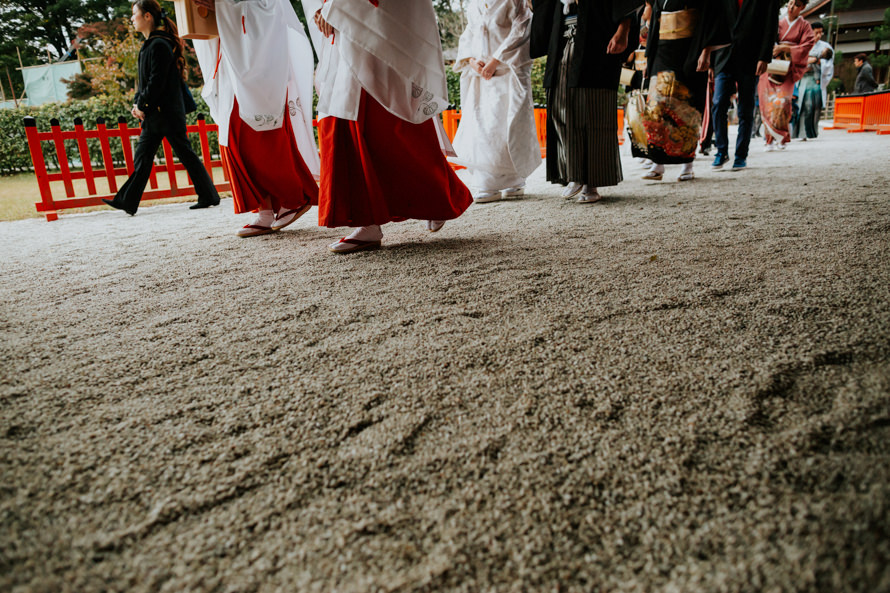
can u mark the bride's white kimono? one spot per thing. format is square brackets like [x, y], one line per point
[496, 139]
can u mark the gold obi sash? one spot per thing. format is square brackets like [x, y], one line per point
[679, 24]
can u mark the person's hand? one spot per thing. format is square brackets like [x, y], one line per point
[488, 71]
[781, 49]
[761, 68]
[704, 60]
[618, 42]
[477, 65]
[137, 113]
[326, 29]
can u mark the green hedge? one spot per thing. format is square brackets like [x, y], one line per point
[14, 154]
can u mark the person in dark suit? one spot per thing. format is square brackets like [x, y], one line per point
[160, 107]
[585, 43]
[756, 23]
[865, 79]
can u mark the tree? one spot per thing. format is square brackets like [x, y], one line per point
[879, 36]
[451, 21]
[43, 30]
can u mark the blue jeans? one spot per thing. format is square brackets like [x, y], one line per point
[724, 87]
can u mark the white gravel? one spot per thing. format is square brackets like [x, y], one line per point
[684, 387]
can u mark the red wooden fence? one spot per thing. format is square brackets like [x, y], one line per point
[50, 204]
[869, 112]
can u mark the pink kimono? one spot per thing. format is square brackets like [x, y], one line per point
[775, 91]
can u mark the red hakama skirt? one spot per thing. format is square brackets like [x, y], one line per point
[381, 169]
[266, 165]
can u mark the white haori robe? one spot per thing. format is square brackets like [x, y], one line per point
[391, 51]
[264, 58]
[497, 139]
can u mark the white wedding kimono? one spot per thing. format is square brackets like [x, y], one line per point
[390, 50]
[264, 58]
[496, 139]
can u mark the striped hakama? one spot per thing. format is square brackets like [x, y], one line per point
[582, 129]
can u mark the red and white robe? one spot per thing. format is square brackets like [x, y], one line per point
[258, 85]
[381, 86]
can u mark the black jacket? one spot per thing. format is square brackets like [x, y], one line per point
[754, 33]
[160, 86]
[597, 22]
[865, 80]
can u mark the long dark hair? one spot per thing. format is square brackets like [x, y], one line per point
[167, 27]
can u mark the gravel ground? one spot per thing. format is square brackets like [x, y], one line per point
[684, 387]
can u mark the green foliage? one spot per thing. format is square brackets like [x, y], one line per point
[15, 156]
[453, 80]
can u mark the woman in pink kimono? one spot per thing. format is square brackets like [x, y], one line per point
[796, 39]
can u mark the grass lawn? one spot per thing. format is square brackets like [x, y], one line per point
[18, 193]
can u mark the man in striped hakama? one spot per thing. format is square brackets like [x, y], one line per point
[585, 44]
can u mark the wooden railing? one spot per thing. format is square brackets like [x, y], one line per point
[50, 204]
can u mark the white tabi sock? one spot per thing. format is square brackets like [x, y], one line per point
[367, 233]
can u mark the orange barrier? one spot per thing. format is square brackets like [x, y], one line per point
[868, 112]
[451, 119]
[50, 205]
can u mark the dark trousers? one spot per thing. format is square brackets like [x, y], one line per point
[155, 128]
[725, 85]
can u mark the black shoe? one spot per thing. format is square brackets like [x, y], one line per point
[117, 206]
[201, 204]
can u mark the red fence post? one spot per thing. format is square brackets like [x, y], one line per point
[124, 130]
[85, 161]
[46, 204]
[62, 156]
[106, 155]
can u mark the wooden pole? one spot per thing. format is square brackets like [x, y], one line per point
[12, 88]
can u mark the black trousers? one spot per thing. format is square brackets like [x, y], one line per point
[155, 128]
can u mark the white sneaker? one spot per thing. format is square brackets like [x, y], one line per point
[484, 197]
[769, 147]
[572, 188]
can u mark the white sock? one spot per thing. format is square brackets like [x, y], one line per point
[367, 233]
[265, 218]
[656, 168]
[687, 168]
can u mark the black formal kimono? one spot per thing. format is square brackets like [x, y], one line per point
[754, 28]
[582, 82]
[672, 119]
[160, 97]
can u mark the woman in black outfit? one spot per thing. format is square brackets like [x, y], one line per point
[159, 106]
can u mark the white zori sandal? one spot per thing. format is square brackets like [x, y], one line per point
[261, 226]
[589, 196]
[365, 237]
[572, 188]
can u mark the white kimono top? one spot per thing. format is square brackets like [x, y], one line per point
[264, 58]
[389, 48]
